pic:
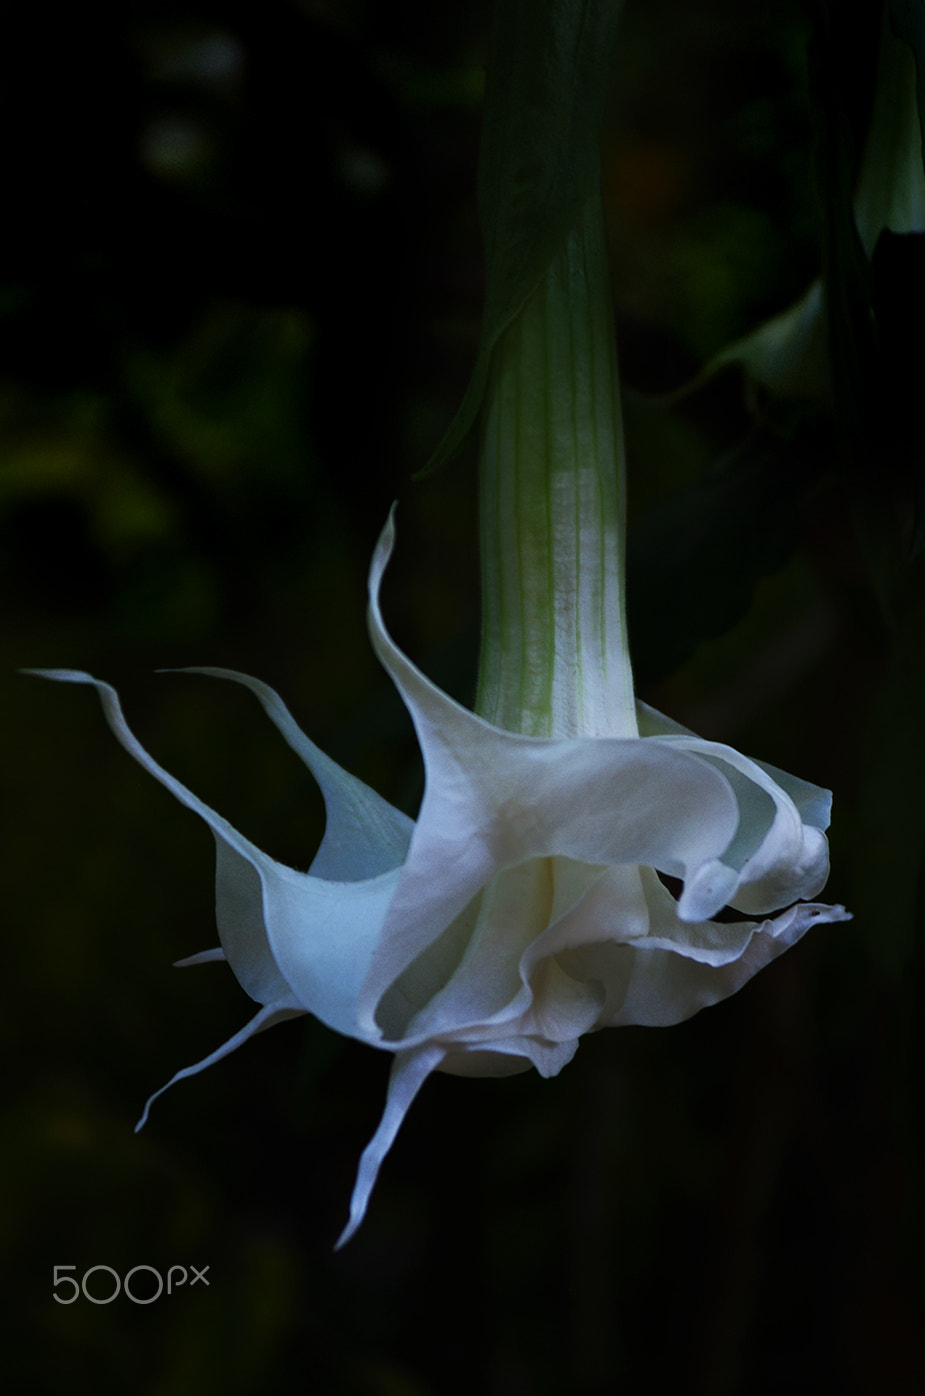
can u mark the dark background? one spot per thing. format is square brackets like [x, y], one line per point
[239, 297]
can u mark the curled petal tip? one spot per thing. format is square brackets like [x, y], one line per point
[409, 1072]
[707, 891]
[382, 552]
[60, 675]
[204, 957]
[832, 913]
[350, 1229]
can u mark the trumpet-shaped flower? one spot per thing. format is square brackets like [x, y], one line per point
[531, 899]
[526, 905]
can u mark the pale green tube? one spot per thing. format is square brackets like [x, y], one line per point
[554, 659]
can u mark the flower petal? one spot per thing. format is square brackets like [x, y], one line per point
[323, 936]
[240, 863]
[666, 987]
[409, 1072]
[778, 859]
[293, 940]
[597, 801]
[364, 835]
[506, 982]
[813, 803]
[204, 957]
[510, 1056]
[495, 799]
[241, 928]
[268, 1017]
[779, 852]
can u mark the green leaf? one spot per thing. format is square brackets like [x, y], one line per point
[907, 18]
[544, 106]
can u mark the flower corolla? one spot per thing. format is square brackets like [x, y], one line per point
[525, 906]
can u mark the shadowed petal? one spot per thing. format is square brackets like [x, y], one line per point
[666, 987]
[323, 937]
[779, 853]
[364, 835]
[268, 1017]
[409, 1072]
[293, 940]
[239, 868]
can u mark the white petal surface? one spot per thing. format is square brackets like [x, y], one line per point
[779, 853]
[494, 800]
[666, 988]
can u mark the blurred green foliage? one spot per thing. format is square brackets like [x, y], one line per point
[239, 300]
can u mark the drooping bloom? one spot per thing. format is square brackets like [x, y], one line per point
[525, 905]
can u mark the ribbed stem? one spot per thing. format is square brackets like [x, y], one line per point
[554, 659]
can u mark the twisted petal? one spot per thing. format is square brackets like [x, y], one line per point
[296, 942]
[409, 1072]
[364, 835]
[779, 853]
[267, 1018]
[677, 968]
[666, 986]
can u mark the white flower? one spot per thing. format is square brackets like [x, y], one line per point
[524, 906]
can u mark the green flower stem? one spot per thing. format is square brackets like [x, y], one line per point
[554, 658]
